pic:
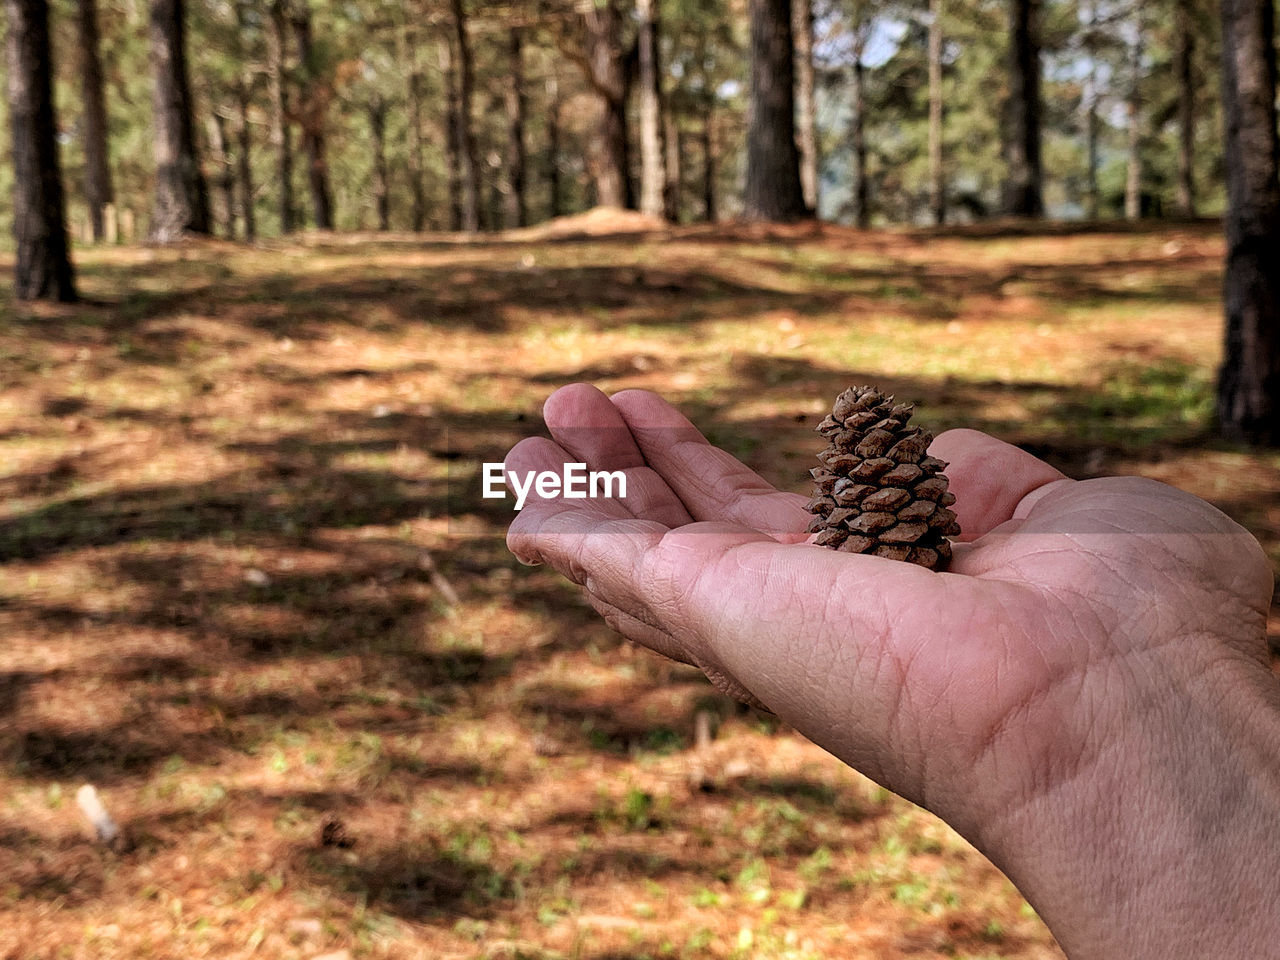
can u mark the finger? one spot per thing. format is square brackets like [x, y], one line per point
[583, 421]
[533, 456]
[989, 477]
[710, 483]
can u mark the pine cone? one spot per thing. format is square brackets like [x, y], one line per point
[877, 491]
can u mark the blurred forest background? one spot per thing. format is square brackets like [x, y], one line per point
[486, 115]
[284, 274]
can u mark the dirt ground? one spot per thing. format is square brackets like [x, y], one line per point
[250, 592]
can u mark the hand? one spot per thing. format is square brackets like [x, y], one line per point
[1085, 695]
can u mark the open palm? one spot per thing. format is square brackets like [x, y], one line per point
[1018, 695]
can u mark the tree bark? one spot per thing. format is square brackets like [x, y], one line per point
[1249, 381]
[1185, 56]
[937, 181]
[312, 107]
[244, 133]
[773, 190]
[464, 136]
[555, 204]
[417, 162]
[1091, 87]
[452, 154]
[281, 134]
[1133, 122]
[653, 179]
[709, 211]
[244, 169]
[494, 208]
[376, 109]
[182, 197]
[806, 102]
[1023, 188]
[607, 74]
[515, 207]
[861, 188]
[226, 179]
[43, 268]
[97, 158]
[672, 197]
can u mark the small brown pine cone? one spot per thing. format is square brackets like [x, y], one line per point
[877, 490]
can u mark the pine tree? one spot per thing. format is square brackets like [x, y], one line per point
[606, 72]
[1249, 381]
[244, 87]
[806, 101]
[415, 85]
[515, 206]
[181, 198]
[937, 181]
[463, 131]
[773, 191]
[1184, 69]
[1133, 118]
[43, 268]
[313, 106]
[653, 185]
[1024, 187]
[97, 158]
[281, 130]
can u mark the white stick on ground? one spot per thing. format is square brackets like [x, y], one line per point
[104, 827]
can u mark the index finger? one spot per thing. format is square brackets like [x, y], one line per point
[712, 484]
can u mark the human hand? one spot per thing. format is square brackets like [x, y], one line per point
[1084, 695]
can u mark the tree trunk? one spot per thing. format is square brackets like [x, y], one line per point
[377, 112]
[281, 135]
[773, 191]
[244, 168]
[43, 268]
[464, 136]
[861, 189]
[312, 107]
[1185, 56]
[556, 204]
[1249, 381]
[1091, 87]
[97, 164]
[1133, 122]
[244, 132]
[806, 102]
[675, 150]
[607, 74]
[452, 155]
[515, 209]
[417, 161]
[653, 178]
[494, 209]
[709, 211]
[226, 179]
[1023, 189]
[182, 198]
[937, 182]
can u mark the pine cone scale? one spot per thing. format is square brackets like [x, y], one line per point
[877, 490]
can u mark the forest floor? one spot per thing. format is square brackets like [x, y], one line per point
[249, 590]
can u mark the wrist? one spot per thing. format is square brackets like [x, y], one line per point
[1164, 843]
